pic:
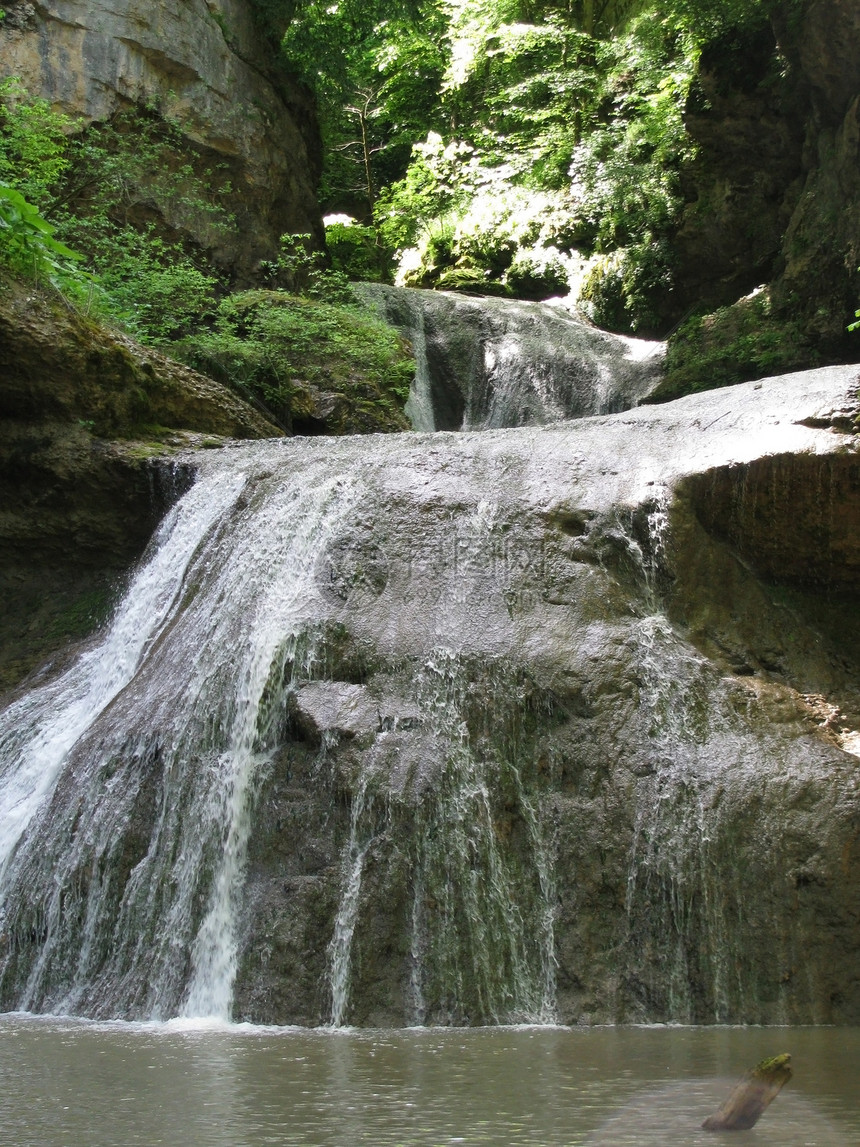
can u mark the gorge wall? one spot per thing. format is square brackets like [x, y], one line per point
[205, 66]
[774, 192]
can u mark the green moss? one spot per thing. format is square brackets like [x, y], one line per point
[777, 1069]
[314, 366]
[80, 616]
[735, 344]
[42, 618]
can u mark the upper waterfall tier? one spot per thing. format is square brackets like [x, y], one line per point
[484, 364]
[548, 723]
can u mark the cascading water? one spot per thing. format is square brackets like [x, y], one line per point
[398, 730]
[677, 893]
[474, 848]
[484, 363]
[123, 898]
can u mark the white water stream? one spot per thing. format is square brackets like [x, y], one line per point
[211, 630]
[129, 783]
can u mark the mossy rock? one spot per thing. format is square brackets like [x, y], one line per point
[314, 367]
[65, 367]
[739, 343]
[470, 281]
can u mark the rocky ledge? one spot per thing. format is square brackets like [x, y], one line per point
[584, 739]
[554, 723]
[87, 414]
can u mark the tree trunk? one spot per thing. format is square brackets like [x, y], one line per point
[746, 1104]
[588, 17]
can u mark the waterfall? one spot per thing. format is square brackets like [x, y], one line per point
[477, 855]
[415, 729]
[38, 731]
[154, 742]
[487, 363]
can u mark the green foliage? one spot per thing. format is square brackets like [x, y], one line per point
[570, 145]
[440, 181]
[300, 269]
[356, 252]
[626, 171]
[96, 190]
[376, 69]
[34, 145]
[154, 288]
[499, 142]
[734, 344]
[28, 247]
[619, 290]
[310, 364]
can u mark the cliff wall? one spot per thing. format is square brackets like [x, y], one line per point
[774, 193]
[204, 65]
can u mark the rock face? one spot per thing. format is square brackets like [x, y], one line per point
[203, 65]
[775, 191]
[549, 723]
[486, 363]
[78, 510]
[821, 248]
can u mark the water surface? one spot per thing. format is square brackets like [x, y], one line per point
[118, 1085]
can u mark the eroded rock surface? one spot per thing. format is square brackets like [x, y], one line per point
[547, 723]
[484, 364]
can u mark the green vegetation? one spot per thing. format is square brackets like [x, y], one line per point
[513, 147]
[311, 365]
[93, 190]
[518, 147]
[99, 213]
[734, 344]
[29, 247]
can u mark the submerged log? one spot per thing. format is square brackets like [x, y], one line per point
[746, 1104]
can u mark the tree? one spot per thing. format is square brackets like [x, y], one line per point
[376, 69]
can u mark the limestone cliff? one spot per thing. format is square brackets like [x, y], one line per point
[202, 64]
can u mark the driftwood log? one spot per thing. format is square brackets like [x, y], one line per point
[746, 1104]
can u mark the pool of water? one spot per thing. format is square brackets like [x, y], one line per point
[116, 1085]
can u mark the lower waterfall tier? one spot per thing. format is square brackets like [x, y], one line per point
[536, 725]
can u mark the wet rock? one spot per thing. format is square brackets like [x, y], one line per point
[77, 510]
[334, 708]
[489, 363]
[602, 693]
[661, 716]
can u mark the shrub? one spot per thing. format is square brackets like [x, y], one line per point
[28, 247]
[355, 252]
[155, 288]
[313, 366]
